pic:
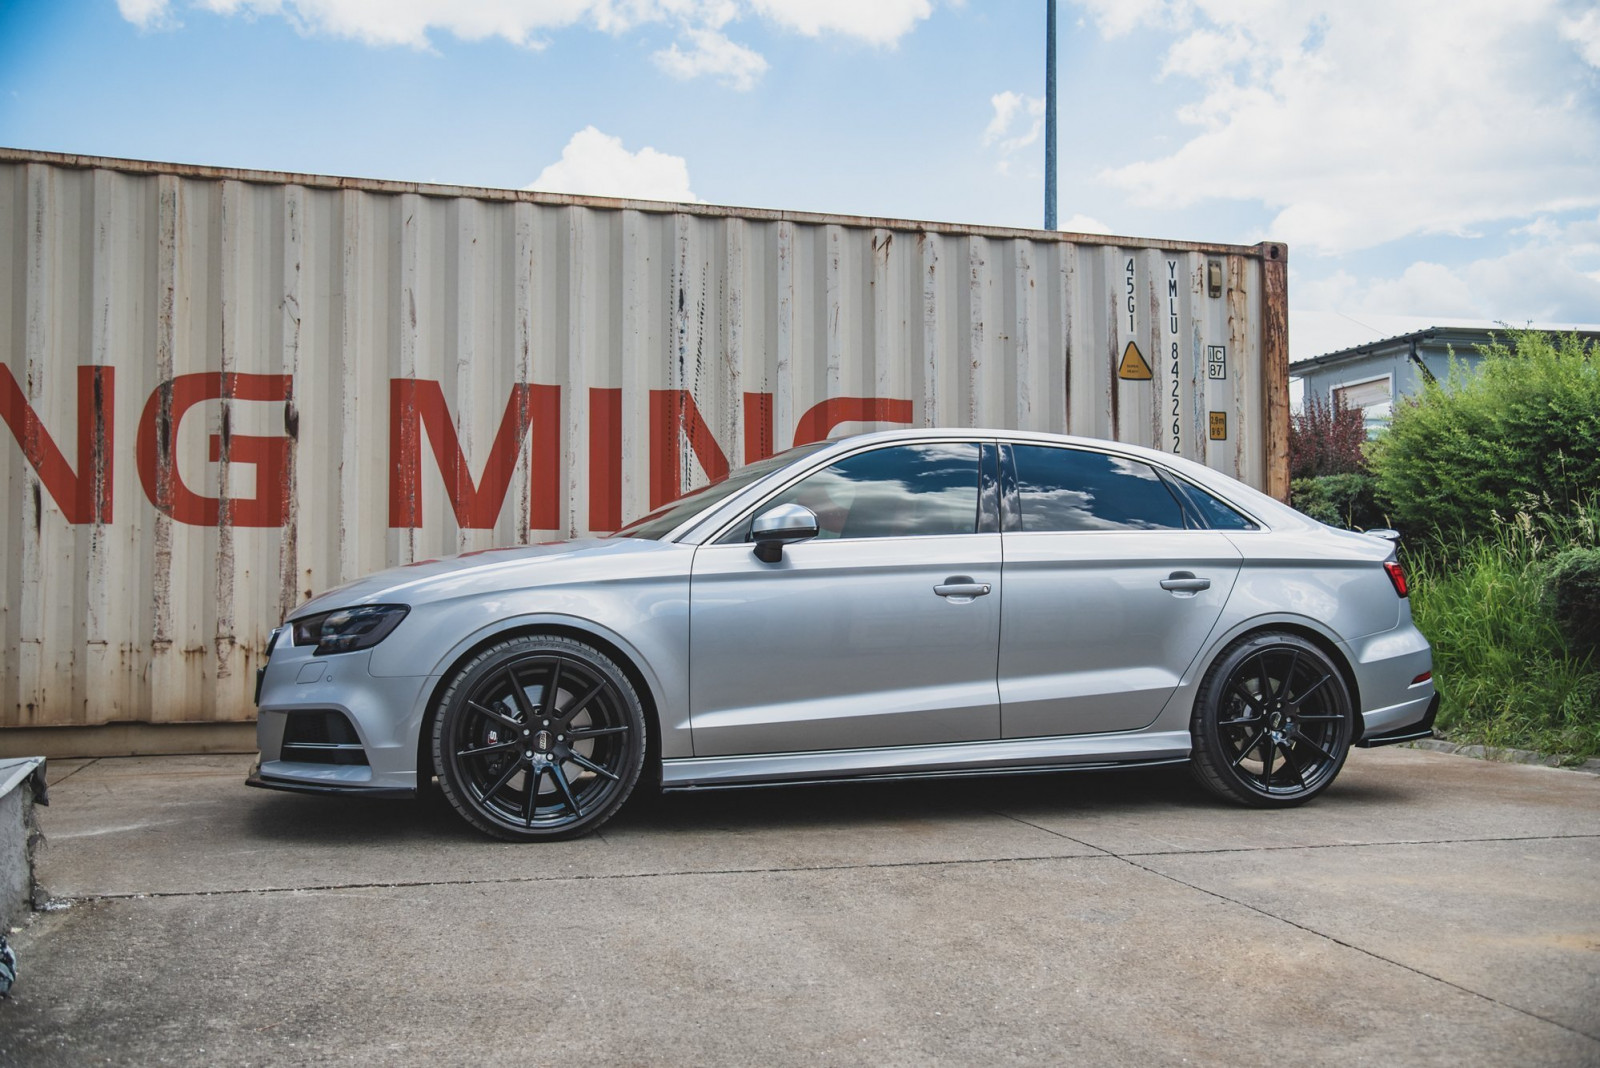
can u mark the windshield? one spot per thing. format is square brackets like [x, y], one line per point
[669, 517]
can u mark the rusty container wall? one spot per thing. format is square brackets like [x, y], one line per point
[223, 391]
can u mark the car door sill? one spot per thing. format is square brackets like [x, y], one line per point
[1079, 752]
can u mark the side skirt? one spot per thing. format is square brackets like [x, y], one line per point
[1005, 756]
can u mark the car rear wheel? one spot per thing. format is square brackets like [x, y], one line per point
[1272, 723]
[537, 738]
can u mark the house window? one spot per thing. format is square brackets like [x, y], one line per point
[1375, 398]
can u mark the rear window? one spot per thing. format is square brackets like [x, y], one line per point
[1073, 489]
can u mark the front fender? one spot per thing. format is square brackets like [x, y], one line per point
[671, 713]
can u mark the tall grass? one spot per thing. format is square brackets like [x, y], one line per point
[1500, 661]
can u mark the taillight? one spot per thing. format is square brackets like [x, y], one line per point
[1397, 575]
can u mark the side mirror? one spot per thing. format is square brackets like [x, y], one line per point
[777, 527]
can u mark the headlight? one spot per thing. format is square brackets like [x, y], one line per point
[349, 629]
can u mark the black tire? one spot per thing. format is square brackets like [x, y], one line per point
[538, 738]
[1272, 722]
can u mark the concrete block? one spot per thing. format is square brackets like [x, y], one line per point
[22, 784]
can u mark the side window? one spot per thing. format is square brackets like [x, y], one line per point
[895, 492]
[1072, 489]
[1214, 513]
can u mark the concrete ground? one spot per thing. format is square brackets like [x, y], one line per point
[1429, 909]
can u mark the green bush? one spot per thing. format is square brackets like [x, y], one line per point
[1348, 500]
[1505, 670]
[1526, 425]
[1574, 594]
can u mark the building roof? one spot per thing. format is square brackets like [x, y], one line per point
[1460, 332]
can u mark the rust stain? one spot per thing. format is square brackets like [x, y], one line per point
[222, 590]
[101, 460]
[1238, 306]
[289, 543]
[1113, 398]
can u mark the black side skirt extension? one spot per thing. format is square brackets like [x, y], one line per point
[1423, 728]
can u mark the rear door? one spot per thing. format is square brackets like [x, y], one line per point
[1111, 591]
[882, 631]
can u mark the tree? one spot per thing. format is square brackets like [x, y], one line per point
[1326, 438]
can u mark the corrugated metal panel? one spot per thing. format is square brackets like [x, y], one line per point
[226, 390]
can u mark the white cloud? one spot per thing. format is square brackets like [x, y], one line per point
[1550, 278]
[409, 22]
[596, 164]
[1007, 106]
[713, 54]
[1006, 133]
[145, 14]
[1363, 121]
[1117, 17]
[879, 22]
[1584, 32]
[1084, 224]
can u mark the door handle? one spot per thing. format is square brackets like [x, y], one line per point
[1185, 582]
[961, 586]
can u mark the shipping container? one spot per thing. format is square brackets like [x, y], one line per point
[224, 390]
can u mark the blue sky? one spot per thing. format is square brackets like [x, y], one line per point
[1424, 160]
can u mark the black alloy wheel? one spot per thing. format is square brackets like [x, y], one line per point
[537, 738]
[1272, 722]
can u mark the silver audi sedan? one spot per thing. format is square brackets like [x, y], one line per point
[910, 603]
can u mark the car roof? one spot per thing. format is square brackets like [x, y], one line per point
[1273, 512]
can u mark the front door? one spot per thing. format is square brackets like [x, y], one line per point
[882, 631]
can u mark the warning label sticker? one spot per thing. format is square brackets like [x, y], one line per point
[1219, 426]
[1133, 366]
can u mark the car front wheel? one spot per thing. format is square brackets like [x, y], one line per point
[1272, 722]
[539, 737]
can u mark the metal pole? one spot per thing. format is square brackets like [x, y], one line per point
[1050, 115]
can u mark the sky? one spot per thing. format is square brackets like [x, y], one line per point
[1426, 161]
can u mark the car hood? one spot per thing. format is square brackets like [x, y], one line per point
[517, 566]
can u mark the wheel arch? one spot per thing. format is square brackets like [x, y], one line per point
[1321, 639]
[625, 659]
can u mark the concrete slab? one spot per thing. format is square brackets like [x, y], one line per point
[1086, 960]
[1515, 921]
[1429, 910]
[188, 824]
[56, 770]
[1382, 795]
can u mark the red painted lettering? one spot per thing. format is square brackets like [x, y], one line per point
[821, 419]
[673, 415]
[757, 426]
[418, 404]
[605, 459]
[84, 495]
[156, 458]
